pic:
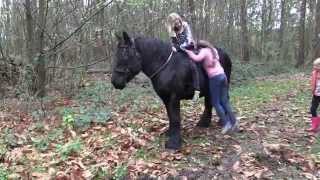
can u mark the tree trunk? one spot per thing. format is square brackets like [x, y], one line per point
[309, 32]
[317, 32]
[40, 78]
[230, 25]
[207, 15]
[192, 10]
[181, 7]
[270, 22]
[29, 38]
[282, 29]
[269, 30]
[263, 27]
[300, 60]
[245, 56]
[8, 44]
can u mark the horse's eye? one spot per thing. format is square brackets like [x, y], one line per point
[124, 54]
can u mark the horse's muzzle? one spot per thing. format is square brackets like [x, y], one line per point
[118, 85]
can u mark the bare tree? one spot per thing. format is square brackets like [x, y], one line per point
[40, 78]
[317, 32]
[29, 35]
[301, 49]
[263, 26]
[231, 19]
[282, 29]
[192, 10]
[245, 56]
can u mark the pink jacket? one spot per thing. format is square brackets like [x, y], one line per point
[210, 60]
[314, 78]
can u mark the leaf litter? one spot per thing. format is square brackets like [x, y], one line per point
[272, 142]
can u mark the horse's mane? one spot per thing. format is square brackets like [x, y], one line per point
[151, 44]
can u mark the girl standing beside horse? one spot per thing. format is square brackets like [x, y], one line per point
[218, 84]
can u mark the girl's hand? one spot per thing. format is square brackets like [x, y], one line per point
[183, 49]
[226, 82]
[174, 49]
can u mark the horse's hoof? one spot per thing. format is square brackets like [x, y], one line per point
[203, 124]
[220, 123]
[173, 144]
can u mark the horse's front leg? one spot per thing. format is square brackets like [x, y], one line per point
[206, 116]
[174, 132]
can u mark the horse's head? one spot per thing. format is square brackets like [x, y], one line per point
[127, 62]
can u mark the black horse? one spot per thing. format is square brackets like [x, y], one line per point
[170, 74]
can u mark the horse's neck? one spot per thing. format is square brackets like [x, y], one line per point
[152, 57]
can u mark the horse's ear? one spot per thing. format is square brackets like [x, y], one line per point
[126, 38]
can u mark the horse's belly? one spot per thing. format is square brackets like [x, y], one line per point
[187, 95]
[182, 90]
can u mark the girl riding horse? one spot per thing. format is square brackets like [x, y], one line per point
[179, 32]
[181, 37]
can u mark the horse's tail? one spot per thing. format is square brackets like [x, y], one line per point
[226, 62]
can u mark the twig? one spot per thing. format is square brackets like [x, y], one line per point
[80, 27]
[1, 51]
[81, 66]
[92, 71]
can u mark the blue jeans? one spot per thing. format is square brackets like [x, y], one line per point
[219, 93]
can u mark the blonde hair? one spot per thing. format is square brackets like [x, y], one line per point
[170, 23]
[172, 18]
[316, 63]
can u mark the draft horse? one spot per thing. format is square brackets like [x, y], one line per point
[170, 74]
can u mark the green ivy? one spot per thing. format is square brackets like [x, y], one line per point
[67, 149]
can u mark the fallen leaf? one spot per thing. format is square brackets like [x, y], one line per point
[236, 166]
[309, 176]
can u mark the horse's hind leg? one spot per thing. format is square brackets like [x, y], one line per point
[205, 119]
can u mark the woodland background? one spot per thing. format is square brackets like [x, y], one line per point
[40, 39]
[60, 117]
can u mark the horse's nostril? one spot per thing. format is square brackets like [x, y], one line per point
[119, 86]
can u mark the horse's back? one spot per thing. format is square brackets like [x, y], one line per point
[225, 62]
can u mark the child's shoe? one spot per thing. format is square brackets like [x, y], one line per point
[226, 128]
[235, 127]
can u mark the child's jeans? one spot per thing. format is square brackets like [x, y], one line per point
[314, 105]
[218, 86]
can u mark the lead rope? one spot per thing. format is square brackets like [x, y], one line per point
[163, 66]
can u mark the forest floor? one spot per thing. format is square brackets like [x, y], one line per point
[103, 133]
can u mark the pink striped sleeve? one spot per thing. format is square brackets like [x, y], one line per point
[313, 81]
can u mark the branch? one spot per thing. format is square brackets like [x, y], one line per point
[81, 66]
[80, 27]
[94, 71]
[1, 51]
